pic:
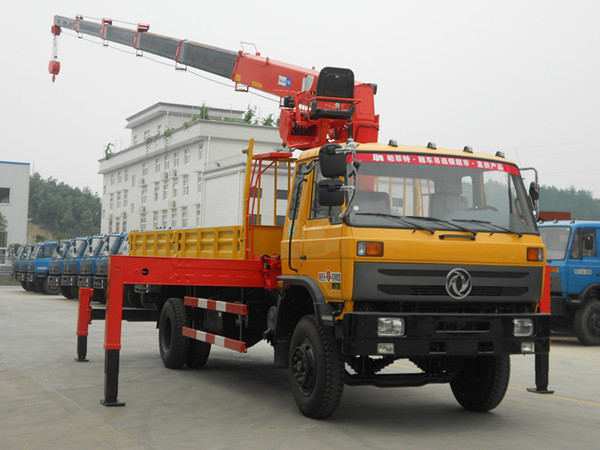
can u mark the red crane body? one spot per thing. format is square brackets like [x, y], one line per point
[316, 107]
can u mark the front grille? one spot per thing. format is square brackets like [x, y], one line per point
[443, 308]
[427, 282]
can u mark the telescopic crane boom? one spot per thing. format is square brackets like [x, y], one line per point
[316, 107]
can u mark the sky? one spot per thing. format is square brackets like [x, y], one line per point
[522, 76]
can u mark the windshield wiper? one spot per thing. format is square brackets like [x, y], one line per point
[399, 219]
[490, 225]
[447, 222]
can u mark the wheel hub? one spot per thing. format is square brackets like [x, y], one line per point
[303, 367]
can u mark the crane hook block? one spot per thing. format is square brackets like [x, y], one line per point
[54, 69]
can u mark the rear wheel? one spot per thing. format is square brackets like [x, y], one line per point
[197, 354]
[481, 383]
[174, 346]
[66, 291]
[587, 323]
[316, 369]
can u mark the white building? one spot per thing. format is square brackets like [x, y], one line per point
[181, 170]
[14, 203]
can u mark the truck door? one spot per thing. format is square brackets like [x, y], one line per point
[583, 265]
[320, 247]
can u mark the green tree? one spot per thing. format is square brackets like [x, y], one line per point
[250, 115]
[580, 204]
[3, 222]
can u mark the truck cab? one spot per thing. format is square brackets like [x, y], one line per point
[37, 268]
[115, 244]
[71, 267]
[87, 264]
[56, 264]
[572, 253]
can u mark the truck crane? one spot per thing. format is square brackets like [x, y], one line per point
[387, 252]
[316, 107]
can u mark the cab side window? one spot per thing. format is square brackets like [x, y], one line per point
[584, 244]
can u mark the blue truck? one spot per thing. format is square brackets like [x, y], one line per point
[87, 264]
[573, 255]
[114, 244]
[37, 268]
[71, 267]
[56, 266]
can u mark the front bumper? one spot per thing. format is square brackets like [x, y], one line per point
[85, 281]
[99, 283]
[444, 334]
[68, 280]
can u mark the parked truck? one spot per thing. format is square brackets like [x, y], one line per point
[87, 264]
[573, 256]
[387, 252]
[56, 267]
[114, 244]
[70, 264]
[37, 268]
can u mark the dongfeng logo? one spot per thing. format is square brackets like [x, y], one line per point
[458, 283]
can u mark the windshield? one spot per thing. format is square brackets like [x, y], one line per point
[412, 191]
[61, 250]
[92, 249]
[110, 248]
[76, 249]
[124, 248]
[556, 240]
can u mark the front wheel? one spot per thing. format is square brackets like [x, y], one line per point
[316, 369]
[67, 292]
[587, 323]
[48, 290]
[481, 383]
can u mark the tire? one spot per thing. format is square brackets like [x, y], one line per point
[481, 383]
[316, 369]
[174, 346]
[587, 323]
[47, 290]
[75, 292]
[66, 291]
[197, 354]
[24, 285]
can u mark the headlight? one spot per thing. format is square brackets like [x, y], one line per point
[522, 327]
[390, 326]
[385, 348]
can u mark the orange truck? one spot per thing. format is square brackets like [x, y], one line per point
[387, 252]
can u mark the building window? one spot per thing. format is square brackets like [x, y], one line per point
[184, 217]
[119, 178]
[175, 185]
[156, 191]
[132, 207]
[186, 186]
[4, 195]
[112, 179]
[159, 129]
[155, 219]
[124, 225]
[186, 156]
[282, 194]
[110, 225]
[201, 152]
[198, 218]
[117, 225]
[144, 169]
[144, 196]
[173, 218]
[199, 187]
[118, 200]
[164, 219]
[132, 180]
[167, 165]
[104, 190]
[165, 190]
[176, 159]
[146, 135]
[157, 165]
[135, 139]
[126, 177]
[125, 199]
[111, 202]
[143, 222]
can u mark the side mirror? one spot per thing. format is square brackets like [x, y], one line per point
[330, 192]
[534, 191]
[332, 163]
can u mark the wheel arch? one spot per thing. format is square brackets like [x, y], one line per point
[299, 296]
[590, 292]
